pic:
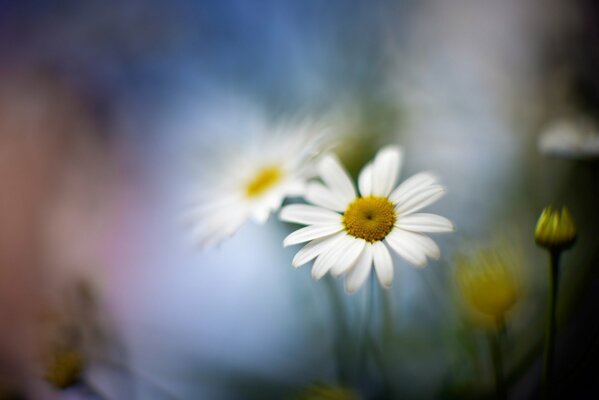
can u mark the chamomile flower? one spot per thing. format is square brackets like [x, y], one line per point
[348, 232]
[254, 181]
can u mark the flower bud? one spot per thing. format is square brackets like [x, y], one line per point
[555, 230]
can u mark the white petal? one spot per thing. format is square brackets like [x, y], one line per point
[319, 195]
[426, 244]
[406, 248]
[385, 170]
[423, 222]
[383, 264]
[206, 208]
[419, 199]
[360, 271]
[324, 262]
[308, 215]
[260, 215]
[413, 247]
[415, 182]
[219, 227]
[295, 188]
[328, 259]
[314, 248]
[311, 232]
[336, 178]
[365, 180]
[352, 249]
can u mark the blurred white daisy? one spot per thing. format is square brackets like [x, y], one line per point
[347, 232]
[254, 180]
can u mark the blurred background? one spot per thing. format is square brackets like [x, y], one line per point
[107, 106]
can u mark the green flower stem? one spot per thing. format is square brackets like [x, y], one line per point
[495, 347]
[367, 321]
[342, 329]
[551, 322]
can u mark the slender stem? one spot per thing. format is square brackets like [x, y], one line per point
[368, 311]
[551, 323]
[388, 325]
[495, 347]
[341, 330]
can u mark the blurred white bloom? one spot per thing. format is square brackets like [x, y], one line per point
[254, 181]
[347, 232]
[571, 138]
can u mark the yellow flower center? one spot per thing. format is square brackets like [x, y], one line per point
[266, 178]
[370, 218]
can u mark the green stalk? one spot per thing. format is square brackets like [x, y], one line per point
[551, 323]
[495, 347]
[368, 311]
[342, 329]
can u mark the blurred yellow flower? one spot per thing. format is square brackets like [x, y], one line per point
[555, 230]
[64, 368]
[487, 282]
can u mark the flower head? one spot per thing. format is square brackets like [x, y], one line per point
[555, 230]
[254, 182]
[487, 283]
[348, 233]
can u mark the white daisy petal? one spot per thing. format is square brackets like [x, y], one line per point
[406, 248]
[207, 208]
[413, 247]
[260, 215]
[385, 170]
[359, 272]
[365, 180]
[353, 248]
[419, 199]
[415, 182]
[424, 243]
[219, 227]
[319, 195]
[423, 222]
[336, 178]
[314, 248]
[307, 215]
[383, 264]
[311, 232]
[325, 261]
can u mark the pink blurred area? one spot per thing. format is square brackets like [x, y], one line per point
[63, 202]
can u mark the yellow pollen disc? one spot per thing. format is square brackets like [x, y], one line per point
[266, 178]
[370, 218]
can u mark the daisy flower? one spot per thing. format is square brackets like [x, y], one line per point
[347, 233]
[251, 184]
